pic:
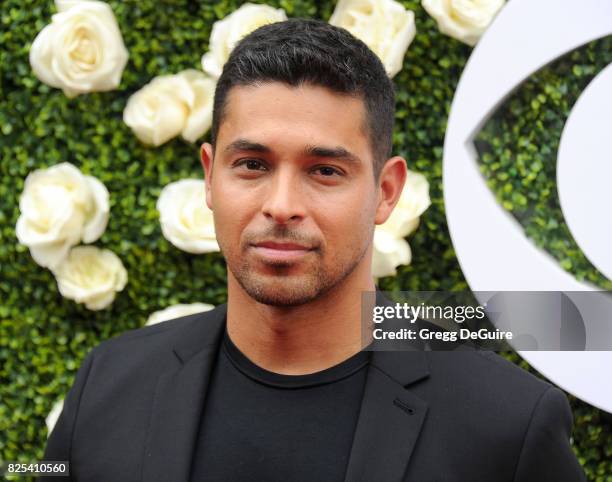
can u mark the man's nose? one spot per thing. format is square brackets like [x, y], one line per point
[282, 201]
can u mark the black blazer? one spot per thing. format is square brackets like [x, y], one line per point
[133, 413]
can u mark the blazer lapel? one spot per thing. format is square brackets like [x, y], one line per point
[390, 418]
[179, 398]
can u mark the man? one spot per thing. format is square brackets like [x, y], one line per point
[275, 384]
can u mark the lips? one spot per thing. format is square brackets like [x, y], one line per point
[273, 252]
[282, 246]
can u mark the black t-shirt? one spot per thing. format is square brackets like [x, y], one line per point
[263, 426]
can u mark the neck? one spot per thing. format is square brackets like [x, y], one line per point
[303, 339]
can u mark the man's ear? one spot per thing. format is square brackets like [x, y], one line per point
[206, 157]
[391, 183]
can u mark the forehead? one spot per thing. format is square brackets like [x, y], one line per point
[279, 110]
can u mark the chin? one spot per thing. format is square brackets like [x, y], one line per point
[279, 294]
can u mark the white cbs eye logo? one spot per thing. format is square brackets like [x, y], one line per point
[494, 253]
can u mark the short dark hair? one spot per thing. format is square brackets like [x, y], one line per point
[310, 51]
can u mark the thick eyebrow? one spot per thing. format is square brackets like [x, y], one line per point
[246, 145]
[338, 152]
[332, 152]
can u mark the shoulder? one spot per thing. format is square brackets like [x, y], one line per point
[485, 388]
[521, 410]
[186, 334]
[489, 409]
[164, 331]
[484, 369]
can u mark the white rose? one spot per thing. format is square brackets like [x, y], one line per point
[390, 249]
[465, 20]
[60, 207]
[388, 253]
[383, 25]
[170, 105]
[53, 415]
[227, 32]
[81, 50]
[186, 220]
[91, 275]
[176, 311]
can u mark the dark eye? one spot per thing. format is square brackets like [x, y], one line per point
[328, 171]
[251, 164]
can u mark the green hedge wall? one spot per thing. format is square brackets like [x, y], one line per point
[518, 153]
[44, 337]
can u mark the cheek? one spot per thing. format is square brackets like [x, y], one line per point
[229, 214]
[347, 227]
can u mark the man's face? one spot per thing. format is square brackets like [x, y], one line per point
[292, 190]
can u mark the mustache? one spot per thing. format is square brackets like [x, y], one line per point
[282, 235]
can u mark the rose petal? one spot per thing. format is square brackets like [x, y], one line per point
[228, 31]
[97, 219]
[200, 114]
[186, 220]
[177, 311]
[388, 253]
